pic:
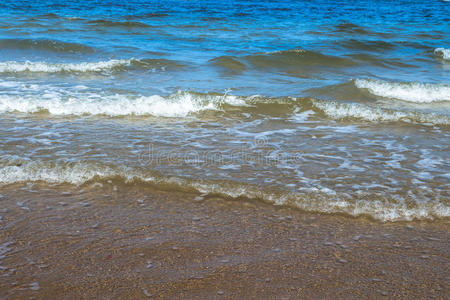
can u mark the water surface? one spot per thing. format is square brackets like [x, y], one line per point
[327, 106]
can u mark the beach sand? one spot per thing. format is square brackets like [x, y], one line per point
[133, 241]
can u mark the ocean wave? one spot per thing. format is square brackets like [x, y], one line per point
[443, 53]
[406, 91]
[45, 45]
[228, 62]
[295, 62]
[316, 200]
[350, 28]
[339, 111]
[114, 65]
[297, 57]
[375, 60]
[80, 100]
[367, 45]
[146, 15]
[51, 173]
[179, 104]
[126, 24]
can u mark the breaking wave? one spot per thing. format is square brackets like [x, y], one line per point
[81, 101]
[337, 110]
[176, 105]
[406, 91]
[443, 53]
[114, 65]
[313, 200]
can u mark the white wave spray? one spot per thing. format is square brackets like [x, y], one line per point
[442, 52]
[177, 105]
[338, 110]
[82, 67]
[406, 91]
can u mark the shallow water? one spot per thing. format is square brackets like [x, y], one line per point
[331, 107]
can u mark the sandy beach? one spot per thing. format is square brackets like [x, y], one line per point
[224, 149]
[134, 242]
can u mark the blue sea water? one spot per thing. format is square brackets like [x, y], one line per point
[345, 104]
[391, 40]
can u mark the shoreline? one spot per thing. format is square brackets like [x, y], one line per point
[136, 242]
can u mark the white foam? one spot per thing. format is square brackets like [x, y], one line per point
[320, 199]
[76, 174]
[325, 200]
[406, 91]
[442, 52]
[90, 103]
[46, 67]
[73, 173]
[338, 111]
[302, 117]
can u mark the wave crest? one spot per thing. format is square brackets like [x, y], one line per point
[114, 65]
[339, 111]
[180, 104]
[228, 62]
[406, 91]
[297, 62]
[443, 53]
[298, 57]
[81, 101]
[313, 200]
[45, 45]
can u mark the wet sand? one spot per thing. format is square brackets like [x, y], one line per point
[134, 242]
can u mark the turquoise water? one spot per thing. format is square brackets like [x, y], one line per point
[325, 105]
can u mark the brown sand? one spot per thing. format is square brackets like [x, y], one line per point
[138, 242]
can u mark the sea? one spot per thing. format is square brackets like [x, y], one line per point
[336, 107]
